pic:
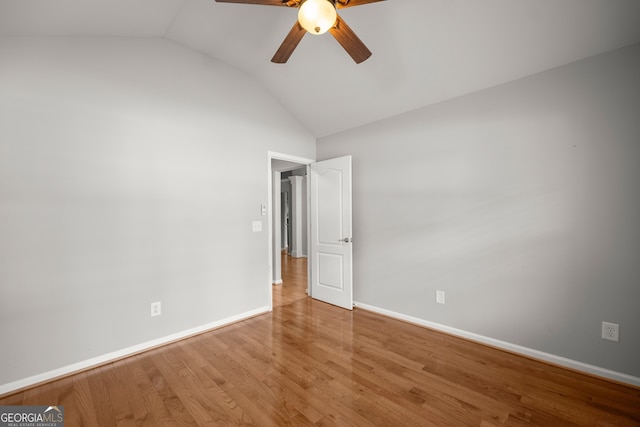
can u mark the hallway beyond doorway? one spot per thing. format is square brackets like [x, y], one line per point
[294, 281]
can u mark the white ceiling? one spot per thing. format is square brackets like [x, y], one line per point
[424, 51]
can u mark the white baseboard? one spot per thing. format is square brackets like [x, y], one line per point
[119, 354]
[298, 254]
[525, 351]
[277, 282]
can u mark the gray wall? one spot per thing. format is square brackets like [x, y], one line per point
[521, 202]
[119, 186]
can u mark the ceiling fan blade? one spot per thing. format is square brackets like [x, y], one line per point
[264, 2]
[349, 41]
[289, 44]
[340, 4]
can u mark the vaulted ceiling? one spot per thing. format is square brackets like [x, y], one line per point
[424, 51]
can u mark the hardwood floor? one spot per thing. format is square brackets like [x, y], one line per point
[294, 281]
[310, 363]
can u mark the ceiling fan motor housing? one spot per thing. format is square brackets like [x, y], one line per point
[317, 16]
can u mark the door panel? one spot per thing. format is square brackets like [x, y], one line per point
[330, 271]
[331, 248]
[329, 188]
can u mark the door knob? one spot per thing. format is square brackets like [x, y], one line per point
[346, 240]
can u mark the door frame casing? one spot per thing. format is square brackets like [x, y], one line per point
[302, 161]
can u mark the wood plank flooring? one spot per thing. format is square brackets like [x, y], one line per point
[294, 281]
[310, 363]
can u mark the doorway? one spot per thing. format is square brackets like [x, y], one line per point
[284, 234]
[329, 226]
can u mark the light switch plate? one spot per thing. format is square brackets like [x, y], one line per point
[257, 226]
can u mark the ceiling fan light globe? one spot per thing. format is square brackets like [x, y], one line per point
[317, 16]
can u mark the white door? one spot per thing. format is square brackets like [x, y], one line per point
[331, 249]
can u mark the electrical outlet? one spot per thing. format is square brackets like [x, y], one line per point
[610, 331]
[440, 297]
[156, 309]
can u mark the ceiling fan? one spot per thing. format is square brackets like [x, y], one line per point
[317, 17]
